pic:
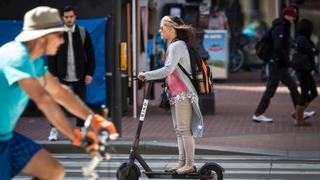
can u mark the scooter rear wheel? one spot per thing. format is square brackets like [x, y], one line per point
[134, 173]
[211, 171]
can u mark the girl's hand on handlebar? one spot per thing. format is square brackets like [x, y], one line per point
[142, 76]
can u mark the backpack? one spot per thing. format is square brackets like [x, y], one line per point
[264, 46]
[201, 74]
[300, 61]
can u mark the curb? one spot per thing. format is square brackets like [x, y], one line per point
[156, 147]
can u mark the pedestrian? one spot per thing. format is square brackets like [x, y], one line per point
[308, 85]
[218, 20]
[186, 115]
[23, 75]
[278, 64]
[158, 56]
[74, 64]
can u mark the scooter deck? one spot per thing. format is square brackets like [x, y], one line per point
[169, 175]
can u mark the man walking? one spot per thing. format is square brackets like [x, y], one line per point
[278, 64]
[74, 63]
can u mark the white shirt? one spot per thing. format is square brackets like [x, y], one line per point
[71, 68]
[218, 22]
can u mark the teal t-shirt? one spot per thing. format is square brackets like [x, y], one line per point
[15, 65]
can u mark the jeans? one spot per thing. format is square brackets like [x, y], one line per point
[181, 116]
[276, 76]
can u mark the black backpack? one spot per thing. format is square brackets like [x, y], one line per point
[300, 61]
[202, 79]
[264, 46]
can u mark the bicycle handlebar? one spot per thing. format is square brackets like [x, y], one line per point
[99, 154]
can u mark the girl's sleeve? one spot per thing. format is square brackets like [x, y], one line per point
[173, 57]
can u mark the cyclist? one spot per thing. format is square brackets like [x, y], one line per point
[23, 75]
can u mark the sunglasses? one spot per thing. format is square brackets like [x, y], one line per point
[60, 34]
[162, 27]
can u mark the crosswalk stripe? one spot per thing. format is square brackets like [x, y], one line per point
[236, 167]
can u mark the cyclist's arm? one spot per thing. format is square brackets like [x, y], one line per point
[65, 97]
[47, 105]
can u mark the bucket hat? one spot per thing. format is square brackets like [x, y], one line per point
[38, 22]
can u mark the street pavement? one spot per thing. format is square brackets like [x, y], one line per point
[236, 167]
[229, 130]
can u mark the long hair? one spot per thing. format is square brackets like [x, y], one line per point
[305, 28]
[184, 32]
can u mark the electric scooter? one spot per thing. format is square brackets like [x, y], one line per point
[130, 170]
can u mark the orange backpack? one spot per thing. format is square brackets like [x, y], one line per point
[201, 74]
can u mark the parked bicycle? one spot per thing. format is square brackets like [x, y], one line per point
[238, 54]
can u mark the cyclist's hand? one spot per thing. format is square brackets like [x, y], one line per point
[100, 124]
[89, 142]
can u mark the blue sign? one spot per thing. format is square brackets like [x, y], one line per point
[215, 43]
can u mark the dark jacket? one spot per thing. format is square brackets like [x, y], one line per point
[306, 46]
[281, 41]
[84, 56]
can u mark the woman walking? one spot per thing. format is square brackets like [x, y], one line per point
[304, 73]
[186, 115]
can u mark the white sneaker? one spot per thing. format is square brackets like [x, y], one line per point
[308, 114]
[261, 118]
[53, 136]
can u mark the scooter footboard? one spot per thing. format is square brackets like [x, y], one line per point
[165, 175]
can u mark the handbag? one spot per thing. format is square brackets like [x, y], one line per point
[164, 103]
[300, 61]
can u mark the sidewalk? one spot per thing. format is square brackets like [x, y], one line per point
[229, 130]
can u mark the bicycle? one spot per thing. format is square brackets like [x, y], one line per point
[99, 153]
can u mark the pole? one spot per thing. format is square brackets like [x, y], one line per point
[134, 56]
[116, 75]
[109, 61]
[277, 4]
[129, 45]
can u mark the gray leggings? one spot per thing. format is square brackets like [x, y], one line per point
[181, 116]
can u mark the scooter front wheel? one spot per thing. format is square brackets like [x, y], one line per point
[211, 171]
[123, 174]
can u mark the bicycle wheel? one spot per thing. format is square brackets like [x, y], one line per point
[236, 60]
